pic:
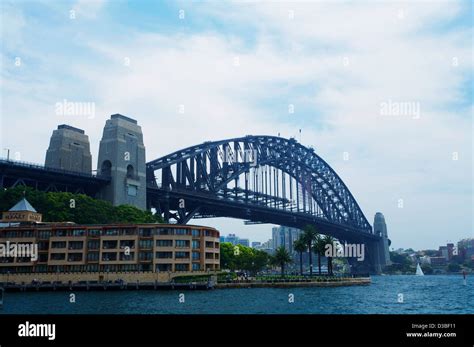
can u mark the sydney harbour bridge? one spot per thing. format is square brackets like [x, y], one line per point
[259, 179]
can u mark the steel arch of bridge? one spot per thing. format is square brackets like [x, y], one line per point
[258, 171]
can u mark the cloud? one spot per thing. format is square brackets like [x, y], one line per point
[238, 66]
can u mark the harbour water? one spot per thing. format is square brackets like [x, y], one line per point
[386, 295]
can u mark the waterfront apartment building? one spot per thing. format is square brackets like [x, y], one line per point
[67, 247]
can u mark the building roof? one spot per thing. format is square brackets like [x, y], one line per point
[22, 205]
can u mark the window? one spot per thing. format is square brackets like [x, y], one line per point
[181, 267]
[130, 171]
[60, 233]
[145, 232]
[195, 232]
[182, 244]
[74, 257]
[125, 256]
[181, 255]
[58, 256]
[93, 232]
[145, 255]
[58, 244]
[106, 169]
[78, 232]
[111, 232]
[109, 256]
[93, 244]
[132, 190]
[181, 232]
[43, 245]
[196, 255]
[163, 231]
[146, 243]
[164, 255]
[127, 243]
[76, 244]
[164, 243]
[209, 244]
[163, 267]
[44, 234]
[196, 267]
[93, 256]
[196, 244]
[109, 244]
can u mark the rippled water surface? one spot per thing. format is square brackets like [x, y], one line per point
[427, 294]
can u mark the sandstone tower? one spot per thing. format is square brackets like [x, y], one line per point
[69, 149]
[122, 157]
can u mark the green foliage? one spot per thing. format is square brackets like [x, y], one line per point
[427, 269]
[281, 258]
[300, 245]
[242, 258]
[454, 267]
[78, 208]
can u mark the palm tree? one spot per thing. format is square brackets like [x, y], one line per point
[281, 258]
[300, 246]
[318, 248]
[309, 235]
[329, 240]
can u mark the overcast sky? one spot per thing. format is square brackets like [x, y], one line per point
[387, 83]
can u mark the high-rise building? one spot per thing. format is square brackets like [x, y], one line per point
[285, 236]
[256, 245]
[243, 242]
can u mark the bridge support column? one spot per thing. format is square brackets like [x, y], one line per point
[122, 157]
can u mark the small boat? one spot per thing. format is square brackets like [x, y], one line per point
[419, 271]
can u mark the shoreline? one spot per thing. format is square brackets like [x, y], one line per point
[106, 286]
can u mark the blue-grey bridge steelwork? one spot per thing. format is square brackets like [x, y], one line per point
[259, 179]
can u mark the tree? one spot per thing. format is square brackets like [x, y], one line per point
[78, 208]
[281, 258]
[300, 246]
[227, 256]
[329, 240]
[318, 248]
[454, 267]
[309, 235]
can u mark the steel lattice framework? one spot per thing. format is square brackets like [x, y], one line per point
[253, 171]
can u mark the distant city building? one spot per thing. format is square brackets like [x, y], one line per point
[466, 248]
[426, 260]
[235, 240]
[284, 236]
[243, 242]
[267, 246]
[231, 238]
[256, 244]
[438, 261]
[446, 251]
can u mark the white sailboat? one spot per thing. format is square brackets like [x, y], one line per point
[419, 271]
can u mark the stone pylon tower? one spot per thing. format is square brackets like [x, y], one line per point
[122, 157]
[380, 228]
[69, 149]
